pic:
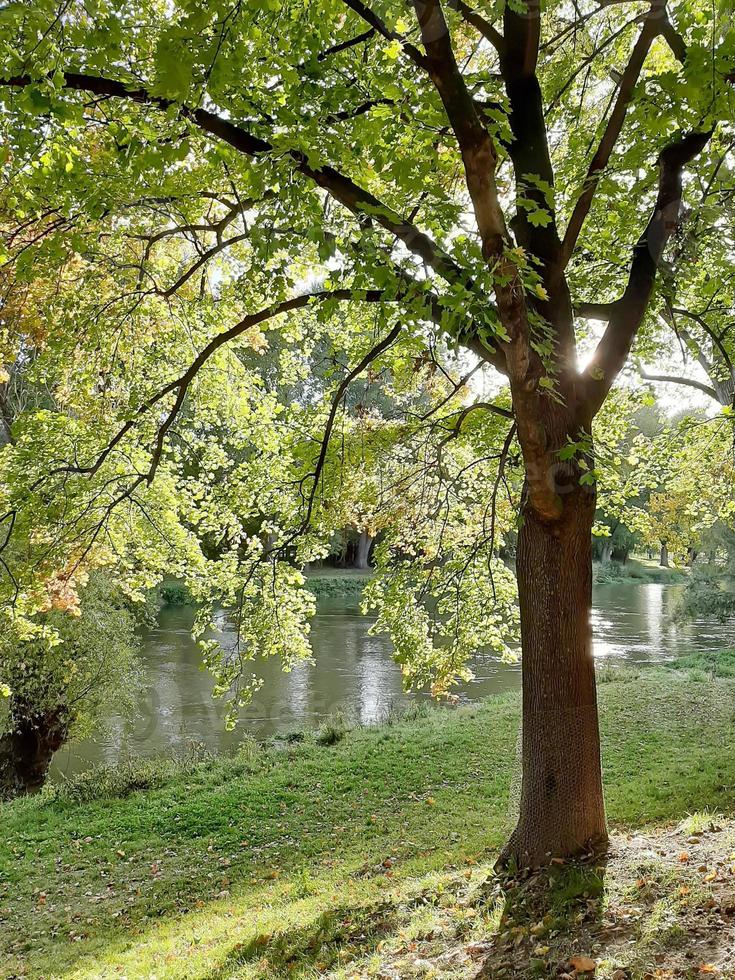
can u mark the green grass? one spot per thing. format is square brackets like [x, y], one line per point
[337, 581]
[637, 571]
[291, 862]
[701, 666]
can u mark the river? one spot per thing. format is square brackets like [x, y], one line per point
[354, 673]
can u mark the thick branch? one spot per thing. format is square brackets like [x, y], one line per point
[623, 325]
[412, 52]
[533, 171]
[476, 147]
[355, 198]
[594, 311]
[478, 156]
[674, 40]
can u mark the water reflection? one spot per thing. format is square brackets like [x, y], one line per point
[353, 673]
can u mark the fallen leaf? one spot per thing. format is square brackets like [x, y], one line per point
[583, 964]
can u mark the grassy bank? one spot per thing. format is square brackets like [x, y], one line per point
[337, 581]
[704, 666]
[333, 860]
[637, 571]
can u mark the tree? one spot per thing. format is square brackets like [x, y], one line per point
[63, 677]
[398, 139]
[687, 471]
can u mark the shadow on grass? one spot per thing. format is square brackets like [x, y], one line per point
[333, 938]
[168, 880]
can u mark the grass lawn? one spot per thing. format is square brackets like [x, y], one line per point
[331, 860]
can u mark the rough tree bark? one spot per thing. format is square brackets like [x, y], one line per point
[664, 559]
[562, 810]
[27, 750]
[607, 550]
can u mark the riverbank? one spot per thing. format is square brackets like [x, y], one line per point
[325, 582]
[636, 571]
[334, 854]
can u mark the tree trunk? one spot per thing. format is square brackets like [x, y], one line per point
[562, 811]
[664, 560]
[27, 750]
[607, 550]
[364, 544]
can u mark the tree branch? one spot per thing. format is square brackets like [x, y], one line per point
[371, 18]
[181, 384]
[595, 311]
[716, 340]
[627, 316]
[678, 380]
[476, 147]
[483, 26]
[474, 407]
[372, 354]
[651, 28]
[355, 198]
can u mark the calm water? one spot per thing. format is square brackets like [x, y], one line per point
[353, 672]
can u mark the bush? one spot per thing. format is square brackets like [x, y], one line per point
[75, 665]
[173, 593]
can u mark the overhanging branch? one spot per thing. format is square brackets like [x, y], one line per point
[182, 384]
[351, 195]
